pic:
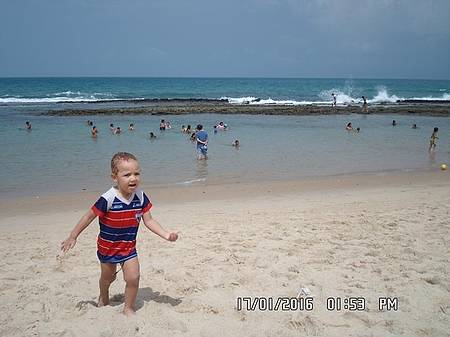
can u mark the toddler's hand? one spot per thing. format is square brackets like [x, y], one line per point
[173, 236]
[67, 244]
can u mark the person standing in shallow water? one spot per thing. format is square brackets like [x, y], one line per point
[433, 140]
[162, 125]
[202, 142]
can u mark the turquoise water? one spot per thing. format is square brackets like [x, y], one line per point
[59, 154]
[46, 91]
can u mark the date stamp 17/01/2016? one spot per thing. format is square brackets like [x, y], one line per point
[274, 304]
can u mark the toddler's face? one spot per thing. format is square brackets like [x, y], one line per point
[127, 177]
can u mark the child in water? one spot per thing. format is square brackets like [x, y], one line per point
[433, 139]
[94, 132]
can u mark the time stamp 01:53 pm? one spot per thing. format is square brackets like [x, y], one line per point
[308, 303]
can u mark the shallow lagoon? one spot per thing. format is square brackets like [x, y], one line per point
[59, 154]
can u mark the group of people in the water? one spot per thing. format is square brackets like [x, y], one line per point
[202, 141]
[199, 135]
[116, 130]
[349, 127]
[433, 138]
[164, 125]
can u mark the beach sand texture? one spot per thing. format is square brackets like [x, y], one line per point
[363, 236]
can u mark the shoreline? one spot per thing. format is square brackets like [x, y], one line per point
[192, 193]
[181, 107]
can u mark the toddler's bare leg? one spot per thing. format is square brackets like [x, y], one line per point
[131, 276]
[108, 271]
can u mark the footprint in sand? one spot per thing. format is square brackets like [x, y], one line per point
[191, 289]
[433, 280]
[306, 325]
[361, 317]
[209, 309]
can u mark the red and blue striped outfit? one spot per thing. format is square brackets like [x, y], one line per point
[119, 222]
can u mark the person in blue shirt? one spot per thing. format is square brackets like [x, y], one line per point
[202, 142]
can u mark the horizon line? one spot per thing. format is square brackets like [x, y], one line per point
[232, 77]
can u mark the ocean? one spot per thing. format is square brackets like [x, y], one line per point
[46, 91]
[59, 155]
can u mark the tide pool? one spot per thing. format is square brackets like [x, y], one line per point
[59, 155]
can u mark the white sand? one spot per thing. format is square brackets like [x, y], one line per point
[365, 236]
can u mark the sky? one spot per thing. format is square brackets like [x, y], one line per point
[227, 38]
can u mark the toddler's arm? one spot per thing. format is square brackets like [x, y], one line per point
[70, 242]
[156, 228]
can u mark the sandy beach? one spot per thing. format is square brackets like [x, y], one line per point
[365, 236]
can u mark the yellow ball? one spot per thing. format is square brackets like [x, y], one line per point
[444, 167]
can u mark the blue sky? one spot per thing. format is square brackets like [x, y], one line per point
[209, 38]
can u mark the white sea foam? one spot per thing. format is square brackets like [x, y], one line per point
[382, 96]
[238, 100]
[445, 97]
[324, 98]
[78, 93]
[43, 100]
[60, 99]
[268, 101]
[188, 182]
[341, 97]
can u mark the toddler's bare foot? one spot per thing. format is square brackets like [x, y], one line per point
[101, 303]
[129, 312]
